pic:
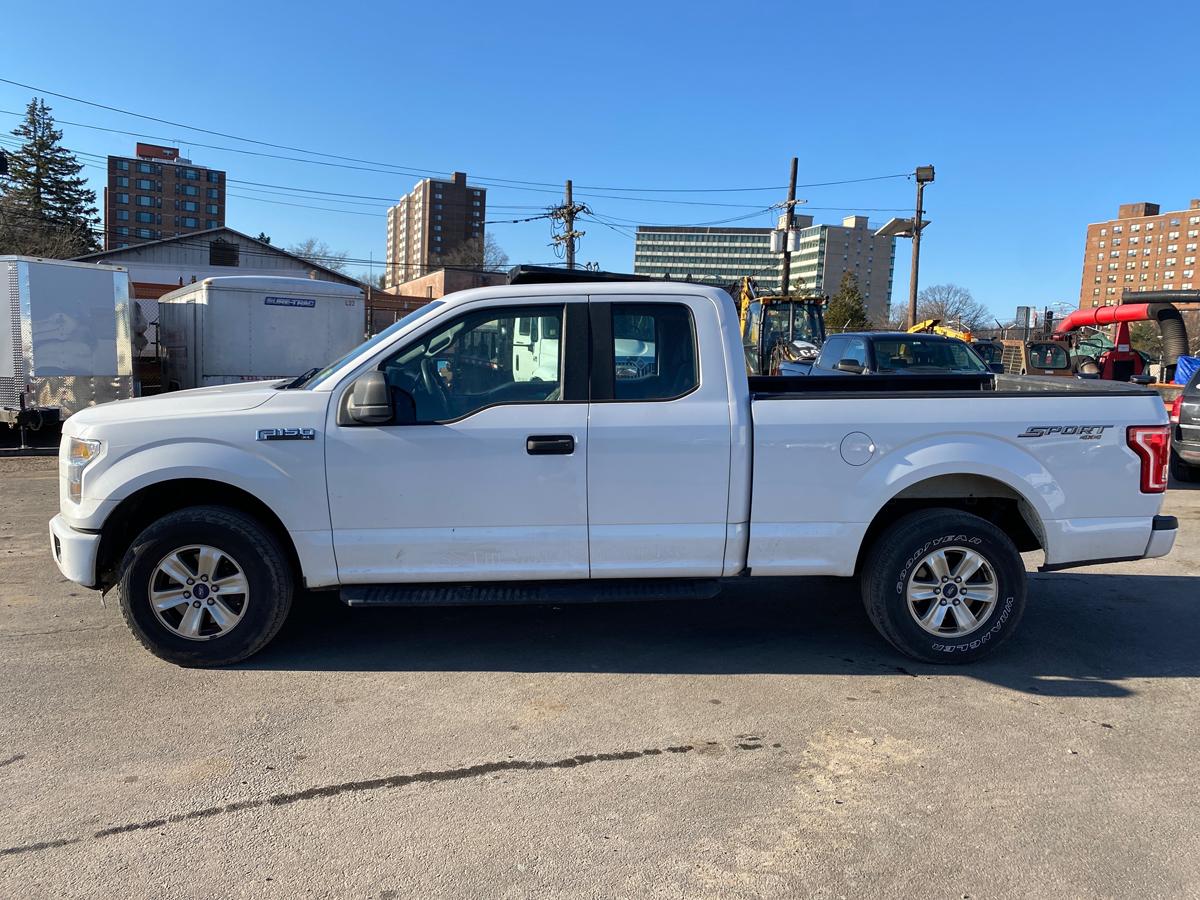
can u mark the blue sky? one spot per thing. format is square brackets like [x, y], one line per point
[1040, 117]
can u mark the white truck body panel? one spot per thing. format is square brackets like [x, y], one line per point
[252, 328]
[705, 485]
[65, 333]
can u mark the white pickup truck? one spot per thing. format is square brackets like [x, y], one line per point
[447, 460]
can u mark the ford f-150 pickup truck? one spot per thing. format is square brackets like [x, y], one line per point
[598, 442]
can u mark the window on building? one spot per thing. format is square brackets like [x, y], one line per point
[144, 184]
[122, 215]
[475, 203]
[143, 200]
[189, 190]
[187, 221]
[210, 223]
[122, 229]
[147, 168]
[190, 174]
[121, 198]
[222, 253]
[214, 177]
[211, 209]
[214, 194]
[121, 181]
[123, 165]
[188, 205]
[146, 217]
[144, 233]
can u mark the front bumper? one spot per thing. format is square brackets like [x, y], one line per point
[74, 552]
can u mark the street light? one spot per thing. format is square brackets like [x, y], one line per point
[912, 228]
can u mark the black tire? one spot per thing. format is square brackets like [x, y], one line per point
[897, 555]
[262, 561]
[1182, 471]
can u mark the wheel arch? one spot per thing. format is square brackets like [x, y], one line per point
[151, 502]
[992, 499]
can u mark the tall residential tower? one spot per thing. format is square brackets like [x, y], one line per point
[436, 221]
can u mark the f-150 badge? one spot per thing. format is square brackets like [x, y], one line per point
[1083, 432]
[287, 434]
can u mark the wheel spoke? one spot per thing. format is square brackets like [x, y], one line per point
[970, 563]
[233, 584]
[225, 617]
[934, 616]
[208, 560]
[963, 616]
[938, 564]
[176, 569]
[985, 593]
[189, 625]
[169, 599]
[918, 593]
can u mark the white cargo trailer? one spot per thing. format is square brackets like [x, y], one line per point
[255, 328]
[65, 338]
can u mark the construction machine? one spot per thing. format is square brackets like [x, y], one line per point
[781, 334]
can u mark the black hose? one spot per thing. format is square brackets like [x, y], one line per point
[1174, 335]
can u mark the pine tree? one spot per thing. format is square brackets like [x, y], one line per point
[847, 309]
[46, 208]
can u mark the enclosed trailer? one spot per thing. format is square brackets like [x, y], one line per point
[65, 338]
[255, 328]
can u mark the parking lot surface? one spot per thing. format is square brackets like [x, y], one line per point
[766, 743]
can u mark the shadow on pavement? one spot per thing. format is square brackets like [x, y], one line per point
[1081, 635]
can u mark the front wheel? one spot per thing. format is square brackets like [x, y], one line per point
[205, 586]
[944, 586]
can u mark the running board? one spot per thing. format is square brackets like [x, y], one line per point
[530, 592]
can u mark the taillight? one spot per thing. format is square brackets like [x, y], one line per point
[1152, 444]
[1175, 408]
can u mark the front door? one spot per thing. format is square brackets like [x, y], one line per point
[490, 483]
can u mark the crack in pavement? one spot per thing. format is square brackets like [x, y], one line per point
[373, 784]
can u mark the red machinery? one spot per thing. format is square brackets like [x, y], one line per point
[1120, 363]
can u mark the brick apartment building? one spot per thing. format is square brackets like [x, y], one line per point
[157, 195]
[434, 221]
[1143, 249]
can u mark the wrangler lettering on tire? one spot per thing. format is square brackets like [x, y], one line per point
[944, 586]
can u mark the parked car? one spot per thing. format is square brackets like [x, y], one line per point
[1185, 444]
[896, 353]
[587, 478]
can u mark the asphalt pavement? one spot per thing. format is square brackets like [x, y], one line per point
[763, 744]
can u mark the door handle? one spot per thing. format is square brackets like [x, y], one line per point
[549, 444]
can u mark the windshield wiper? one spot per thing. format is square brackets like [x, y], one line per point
[299, 380]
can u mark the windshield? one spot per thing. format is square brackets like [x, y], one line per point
[805, 327]
[368, 345]
[1048, 356]
[918, 354]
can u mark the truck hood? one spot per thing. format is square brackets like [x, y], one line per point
[222, 398]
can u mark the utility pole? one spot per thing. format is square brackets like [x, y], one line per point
[566, 214]
[786, 272]
[924, 175]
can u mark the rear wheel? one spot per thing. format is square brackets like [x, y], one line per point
[205, 586]
[944, 586]
[1182, 471]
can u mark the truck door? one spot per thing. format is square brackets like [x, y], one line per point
[658, 439]
[490, 482]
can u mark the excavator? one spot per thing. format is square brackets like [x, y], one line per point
[781, 334]
[989, 350]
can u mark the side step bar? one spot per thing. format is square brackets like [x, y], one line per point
[530, 592]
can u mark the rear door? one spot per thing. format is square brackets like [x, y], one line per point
[658, 454]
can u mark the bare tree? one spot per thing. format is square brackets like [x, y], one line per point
[477, 254]
[317, 251]
[954, 305]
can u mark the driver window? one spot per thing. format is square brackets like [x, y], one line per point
[481, 359]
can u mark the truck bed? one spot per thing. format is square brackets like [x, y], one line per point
[768, 387]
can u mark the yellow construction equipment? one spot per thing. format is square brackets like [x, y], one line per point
[935, 326]
[778, 330]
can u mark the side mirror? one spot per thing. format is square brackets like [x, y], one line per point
[851, 366]
[370, 400]
[996, 368]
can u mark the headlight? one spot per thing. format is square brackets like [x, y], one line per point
[80, 455]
